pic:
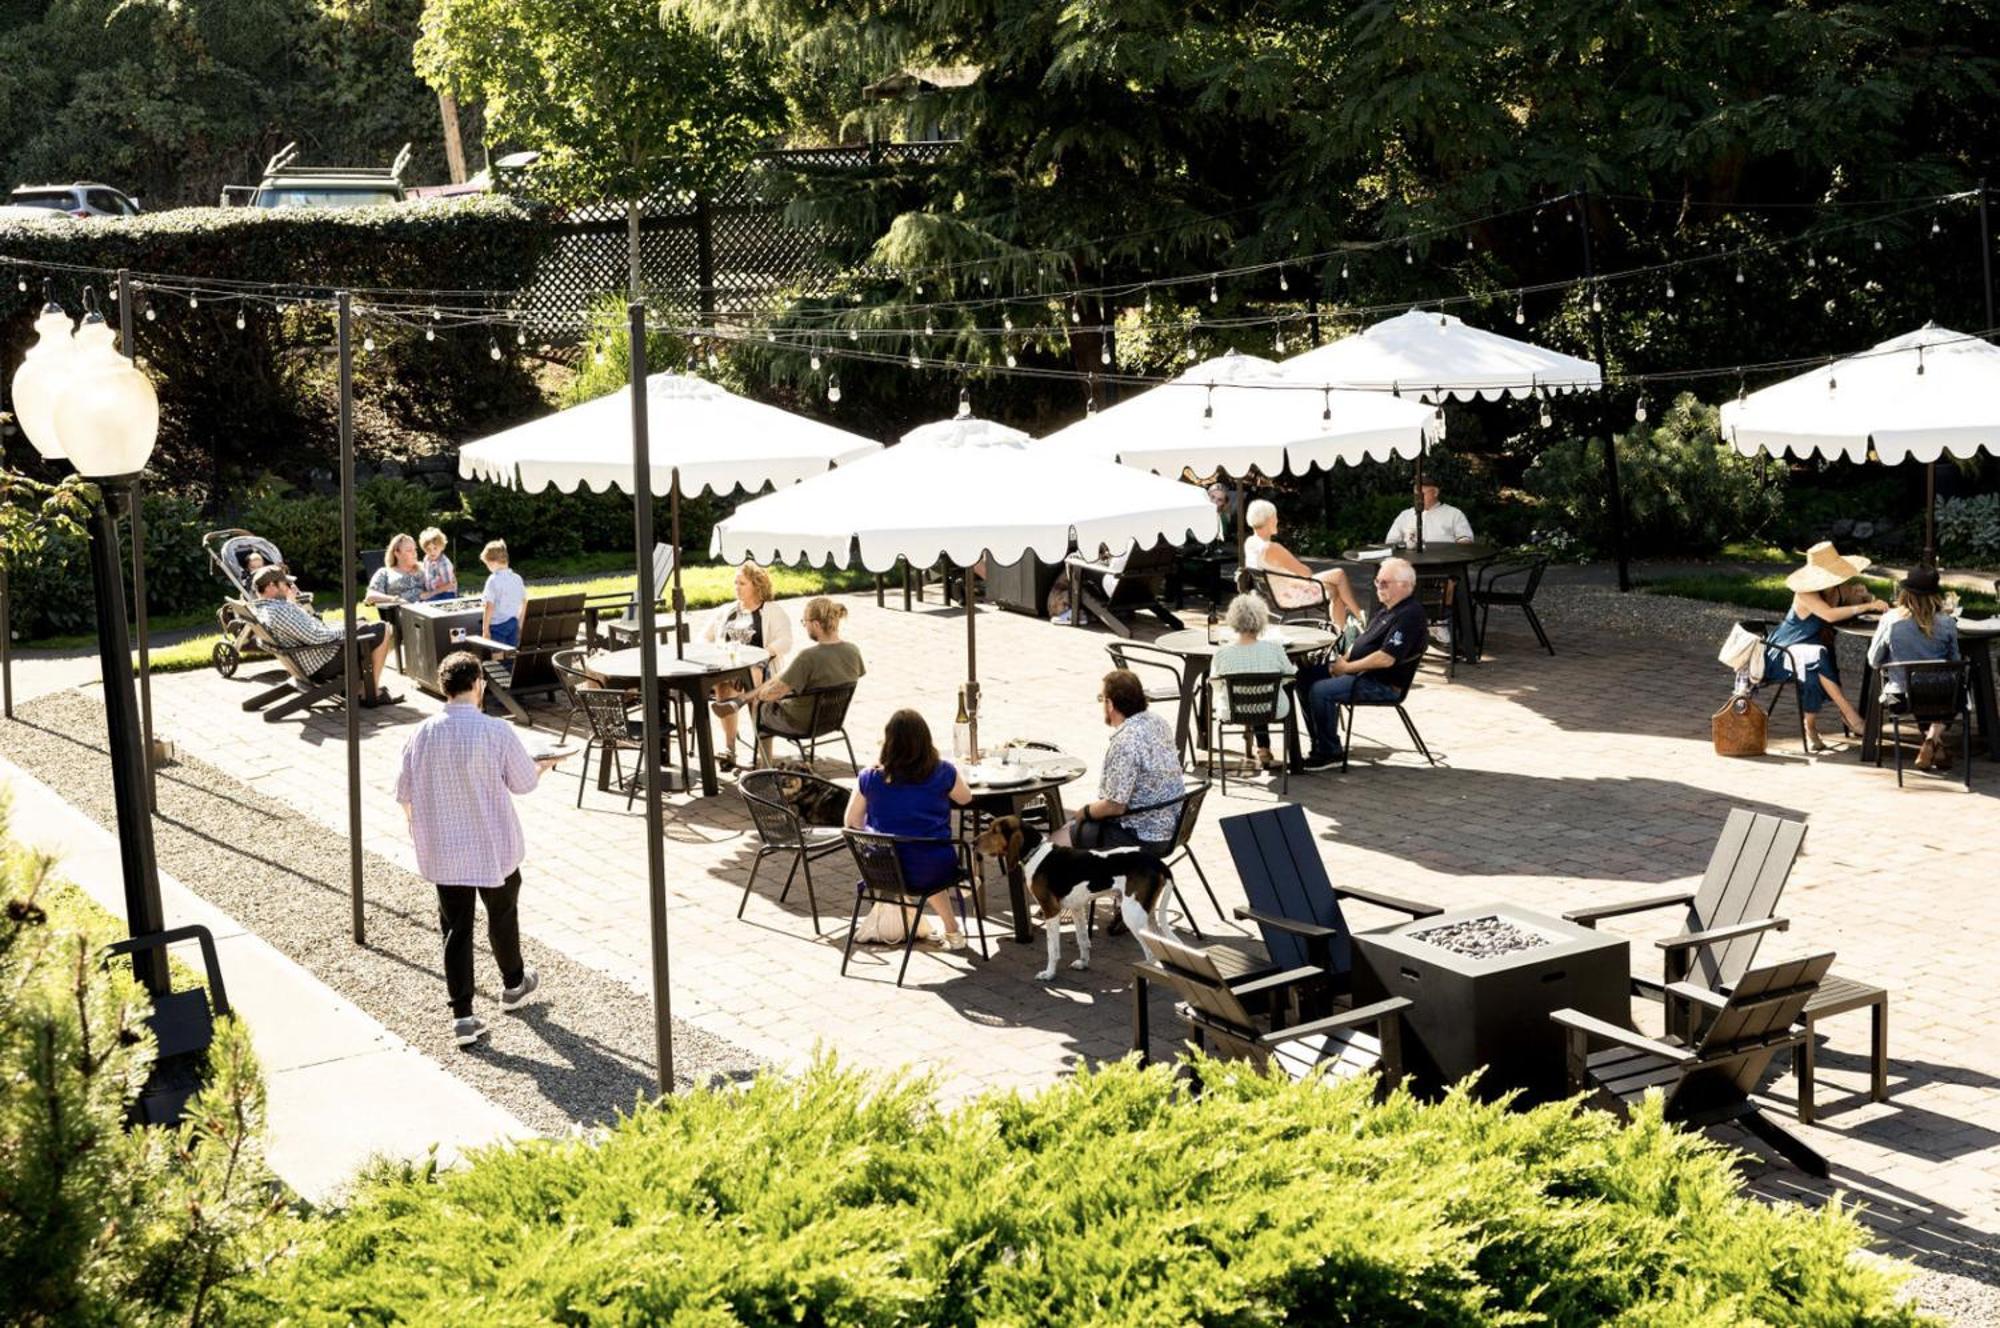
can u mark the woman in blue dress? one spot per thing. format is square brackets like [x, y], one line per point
[1796, 649]
[911, 792]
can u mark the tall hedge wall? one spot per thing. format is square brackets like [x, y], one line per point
[238, 402]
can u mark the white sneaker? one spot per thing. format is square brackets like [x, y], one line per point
[952, 940]
[513, 998]
[468, 1030]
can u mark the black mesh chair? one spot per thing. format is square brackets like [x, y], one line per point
[880, 860]
[827, 718]
[1935, 691]
[1187, 815]
[1347, 729]
[1318, 610]
[780, 832]
[1439, 596]
[1163, 675]
[1511, 583]
[1252, 702]
[611, 731]
[568, 665]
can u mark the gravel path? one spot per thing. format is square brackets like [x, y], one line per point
[581, 1055]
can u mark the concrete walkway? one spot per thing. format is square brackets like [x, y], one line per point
[321, 1055]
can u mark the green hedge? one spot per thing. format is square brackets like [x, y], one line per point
[236, 402]
[1112, 1198]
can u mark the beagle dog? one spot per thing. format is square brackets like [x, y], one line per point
[1066, 881]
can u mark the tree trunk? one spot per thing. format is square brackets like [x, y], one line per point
[632, 246]
[454, 142]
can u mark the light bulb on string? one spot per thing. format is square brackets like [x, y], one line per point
[1090, 407]
[1739, 274]
[964, 411]
[1596, 302]
[985, 280]
[853, 334]
[1639, 410]
[1920, 360]
[1670, 288]
[930, 326]
[833, 389]
[430, 334]
[1208, 408]
[434, 314]
[920, 288]
[1104, 350]
[916, 360]
[1343, 269]
[1149, 302]
[239, 320]
[1075, 313]
[193, 302]
[21, 284]
[493, 348]
[1409, 256]
[1936, 229]
[1284, 283]
[520, 336]
[1278, 342]
[1325, 409]
[152, 314]
[1810, 260]
[1520, 314]
[1011, 361]
[368, 342]
[1214, 294]
[1007, 322]
[714, 360]
[1468, 244]
[813, 360]
[1545, 419]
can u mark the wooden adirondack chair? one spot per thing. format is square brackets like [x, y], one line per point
[1141, 588]
[1243, 1018]
[1707, 1080]
[548, 624]
[1727, 916]
[1293, 903]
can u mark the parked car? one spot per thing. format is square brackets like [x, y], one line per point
[85, 198]
[286, 185]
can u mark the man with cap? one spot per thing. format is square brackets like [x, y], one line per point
[1443, 523]
[314, 645]
[1376, 670]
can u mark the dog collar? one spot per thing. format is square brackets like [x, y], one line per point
[1033, 863]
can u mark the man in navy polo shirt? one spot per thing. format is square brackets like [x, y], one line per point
[1377, 668]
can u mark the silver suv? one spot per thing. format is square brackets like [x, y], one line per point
[288, 186]
[85, 198]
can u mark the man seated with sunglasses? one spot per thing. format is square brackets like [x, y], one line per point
[1377, 668]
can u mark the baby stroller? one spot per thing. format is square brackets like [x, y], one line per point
[242, 635]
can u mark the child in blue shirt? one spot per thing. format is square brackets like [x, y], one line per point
[505, 596]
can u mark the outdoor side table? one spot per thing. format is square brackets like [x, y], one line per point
[1198, 652]
[694, 673]
[1047, 775]
[1470, 1011]
[1975, 643]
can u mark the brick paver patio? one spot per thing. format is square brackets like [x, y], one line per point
[1578, 779]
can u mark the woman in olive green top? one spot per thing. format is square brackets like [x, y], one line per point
[827, 662]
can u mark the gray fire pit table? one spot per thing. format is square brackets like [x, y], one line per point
[1482, 983]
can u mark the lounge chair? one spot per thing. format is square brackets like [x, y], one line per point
[1707, 1079]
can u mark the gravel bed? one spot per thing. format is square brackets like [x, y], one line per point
[1657, 617]
[579, 1056]
[1955, 1298]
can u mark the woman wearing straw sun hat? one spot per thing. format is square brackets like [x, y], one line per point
[1795, 649]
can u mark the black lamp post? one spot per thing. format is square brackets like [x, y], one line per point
[78, 399]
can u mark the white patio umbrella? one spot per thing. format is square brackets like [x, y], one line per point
[1924, 395]
[964, 489]
[1434, 356]
[1235, 412]
[704, 439]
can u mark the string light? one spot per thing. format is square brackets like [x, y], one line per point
[916, 361]
[193, 303]
[714, 360]
[1007, 322]
[1920, 359]
[815, 360]
[1468, 244]
[1546, 420]
[1284, 283]
[1936, 229]
[1639, 410]
[239, 320]
[1104, 350]
[152, 314]
[1278, 342]
[1409, 256]
[368, 342]
[1325, 409]
[1343, 269]
[1520, 314]
[1011, 361]
[430, 334]
[1208, 407]
[521, 336]
[492, 348]
[1739, 274]
[964, 403]
[1090, 407]
[1213, 294]
[1670, 288]
[1075, 313]
[833, 389]
[1596, 302]
[1149, 303]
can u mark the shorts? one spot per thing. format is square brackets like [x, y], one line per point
[506, 633]
[367, 636]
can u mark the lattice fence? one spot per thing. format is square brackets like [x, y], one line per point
[730, 254]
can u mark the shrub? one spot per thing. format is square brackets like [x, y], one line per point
[234, 400]
[304, 526]
[49, 567]
[100, 1225]
[1686, 492]
[1114, 1197]
[1968, 529]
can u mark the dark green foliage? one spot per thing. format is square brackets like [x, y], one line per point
[1111, 1198]
[49, 564]
[101, 1226]
[171, 99]
[235, 402]
[1687, 493]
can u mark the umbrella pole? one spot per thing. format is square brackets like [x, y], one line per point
[649, 702]
[680, 600]
[1417, 493]
[972, 668]
[1930, 513]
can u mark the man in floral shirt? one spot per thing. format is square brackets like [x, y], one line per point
[1142, 768]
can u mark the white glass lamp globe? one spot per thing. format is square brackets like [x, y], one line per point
[41, 380]
[109, 416]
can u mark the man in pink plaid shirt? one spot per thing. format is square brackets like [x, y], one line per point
[461, 771]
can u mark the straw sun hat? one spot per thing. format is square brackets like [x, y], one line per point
[1825, 568]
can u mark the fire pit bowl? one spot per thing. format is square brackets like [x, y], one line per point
[1482, 983]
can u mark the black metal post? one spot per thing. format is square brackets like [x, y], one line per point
[350, 646]
[680, 600]
[972, 662]
[130, 347]
[1986, 253]
[1614, 491]
[143, 912]
[649, 699]
[1417, 490]
[6, 641]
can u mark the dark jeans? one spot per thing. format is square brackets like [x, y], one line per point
[1328, 694]
[1112, 834]
[457, 906]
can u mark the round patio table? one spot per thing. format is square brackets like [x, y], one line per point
[1452, 560]
[694, 674]
[1197, 652]
[1975, 643]
[1046, 773]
